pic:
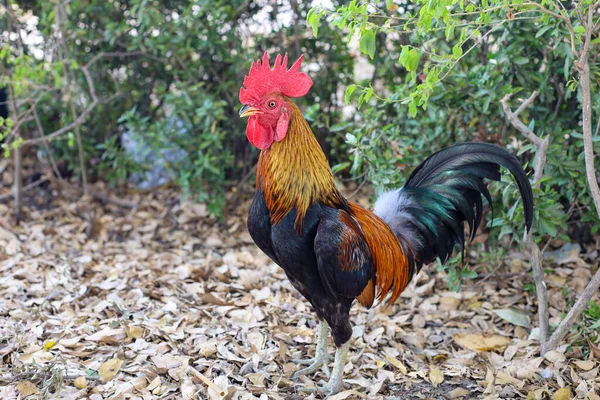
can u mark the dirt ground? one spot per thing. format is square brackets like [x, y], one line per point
[161, 301]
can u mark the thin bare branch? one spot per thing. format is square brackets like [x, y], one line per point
[516, 122]
[580, 305]
[586, 103]
[65, 128]
[17, 184]
[68, 78]
[46, 145]
[536, 254]
[26, 188]
[526, 103]
[544, 10]
[113, 55]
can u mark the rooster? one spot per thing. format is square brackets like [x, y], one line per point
[334, 251]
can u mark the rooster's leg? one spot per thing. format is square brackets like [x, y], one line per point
[336, 382]
[321, 356]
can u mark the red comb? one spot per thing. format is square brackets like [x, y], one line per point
[262, 80]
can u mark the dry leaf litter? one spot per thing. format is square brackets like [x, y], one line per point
[164, 302]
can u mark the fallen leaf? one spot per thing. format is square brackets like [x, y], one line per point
[26, 389]
[436, 376]
[477, 342]
[562, 394]
[188, 389]
[554, 356]
[346, 394]
[584, 365]
[456, 393]
[165, 362]
[80, 382]
[514, 316]
[502, 378]
[135, 332]
[110, 369]
[397, 363]
[595, 351]
[49, 344]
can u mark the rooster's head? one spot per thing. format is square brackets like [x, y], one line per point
[264, 96]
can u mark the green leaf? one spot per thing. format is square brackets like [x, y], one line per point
[367, 43]
[340, 167]
[361, 99]
[566, 68]
[313, 19]
[457, 50]
[520, 60]
[543, 30]
[412, 108]
[368, 94]
[349, 90]
[449, 30]
[409, 58]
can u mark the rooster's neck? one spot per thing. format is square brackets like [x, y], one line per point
[294, 173]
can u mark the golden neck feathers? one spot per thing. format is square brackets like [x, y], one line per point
[294, 173]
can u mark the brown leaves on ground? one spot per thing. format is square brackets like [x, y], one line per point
[161, 301]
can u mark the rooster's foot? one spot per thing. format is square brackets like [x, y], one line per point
[336, 382]
[321, 357]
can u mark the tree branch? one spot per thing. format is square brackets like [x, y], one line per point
[579, 306]
[68, 78]
[588, 144]
[586, 103]
[536, 254]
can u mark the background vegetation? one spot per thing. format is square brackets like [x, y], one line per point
[425, 75]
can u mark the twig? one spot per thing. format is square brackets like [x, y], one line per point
[207, 381]
[25, 188]
[586, 103]
[17, 184]
[68, 77]
[536, 254]
[541, 144]
[579, 306]
[17, 179]
[355, 192]
[45, 143]
[105, 198]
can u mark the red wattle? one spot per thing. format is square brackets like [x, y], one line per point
[260, 136]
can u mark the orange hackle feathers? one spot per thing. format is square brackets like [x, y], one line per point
[285, 180]
[394, 267]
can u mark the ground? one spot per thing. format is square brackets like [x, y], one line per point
[159, 300]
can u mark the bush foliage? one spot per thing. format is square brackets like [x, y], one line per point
[439, 71]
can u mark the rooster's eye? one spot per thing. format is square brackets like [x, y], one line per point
[272, 104]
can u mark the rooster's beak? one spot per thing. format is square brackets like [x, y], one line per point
[247, 111]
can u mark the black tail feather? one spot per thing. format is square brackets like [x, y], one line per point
[446, 191]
